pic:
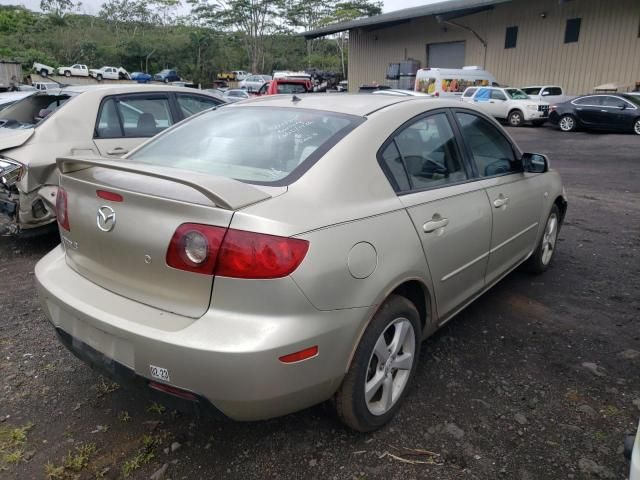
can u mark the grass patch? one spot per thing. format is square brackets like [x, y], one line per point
[155, 407]
[106, 387]
[79, 458]
[12, 442]
[124, 416]
[143, 456]
[52, 472]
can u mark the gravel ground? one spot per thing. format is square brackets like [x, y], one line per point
[538, 379]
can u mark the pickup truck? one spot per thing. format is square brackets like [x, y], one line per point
[43, 70]
[76, 70]
[546, 93]
[110, 73]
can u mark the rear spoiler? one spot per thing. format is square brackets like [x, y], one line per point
[223, 192]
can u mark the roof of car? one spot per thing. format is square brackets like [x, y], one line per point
[122, 88]
[354, 104]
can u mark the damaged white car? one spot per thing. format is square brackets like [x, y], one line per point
[107, 121]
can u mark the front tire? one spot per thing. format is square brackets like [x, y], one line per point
[515, 118]
[166, 80]
[99, 77]
[636, 126]
[67, 73]
[44, 73]
[567, 123]
[541, 259]
[382, 367]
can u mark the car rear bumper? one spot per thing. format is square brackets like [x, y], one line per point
[230, 359]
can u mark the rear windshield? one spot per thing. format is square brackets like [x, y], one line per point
[31, 110]
[263, 145]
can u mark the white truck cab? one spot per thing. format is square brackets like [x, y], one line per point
[546, 93]
[75, 70]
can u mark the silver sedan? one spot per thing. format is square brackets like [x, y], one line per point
[276, 253]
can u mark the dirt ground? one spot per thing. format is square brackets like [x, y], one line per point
[539, 379]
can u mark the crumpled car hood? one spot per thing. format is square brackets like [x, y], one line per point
[11, 138]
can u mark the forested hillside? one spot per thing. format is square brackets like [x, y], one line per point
[199, 38]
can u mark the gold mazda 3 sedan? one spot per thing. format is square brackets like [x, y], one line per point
[266, 256]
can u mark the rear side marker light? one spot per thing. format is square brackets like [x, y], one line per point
[62, 212]
[301, 355]
[232, 253]
[176, 392]
[111, 196]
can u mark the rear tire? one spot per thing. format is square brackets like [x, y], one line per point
[567, 123]
[382, 367]
[44, 73]
[543, 255]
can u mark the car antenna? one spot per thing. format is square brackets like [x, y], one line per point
[295, 99]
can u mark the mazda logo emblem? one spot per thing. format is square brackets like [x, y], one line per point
[106, 218]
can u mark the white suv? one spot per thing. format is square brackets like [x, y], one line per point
[510, 104]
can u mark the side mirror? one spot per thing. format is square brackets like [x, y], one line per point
[535, 163]
[545, 93]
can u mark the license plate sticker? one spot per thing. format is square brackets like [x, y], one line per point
[159, 373]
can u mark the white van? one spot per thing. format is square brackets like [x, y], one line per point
[443, 82]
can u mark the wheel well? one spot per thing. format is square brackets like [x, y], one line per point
[514, 110]
[417, 293]
[562, 206]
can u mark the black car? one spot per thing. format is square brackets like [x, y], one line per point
[615, 112]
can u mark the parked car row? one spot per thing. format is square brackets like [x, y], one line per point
[106, 73]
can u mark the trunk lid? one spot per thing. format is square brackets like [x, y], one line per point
[124, 249]
[14, 137]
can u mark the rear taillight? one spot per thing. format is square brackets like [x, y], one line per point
[256, 255]
[195, 248]
[234, 253]
[61, 209]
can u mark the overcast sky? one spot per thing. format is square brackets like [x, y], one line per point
[92, 6]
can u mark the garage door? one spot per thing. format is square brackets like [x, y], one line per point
[445, 55]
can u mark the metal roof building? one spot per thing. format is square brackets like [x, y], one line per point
[574, 43]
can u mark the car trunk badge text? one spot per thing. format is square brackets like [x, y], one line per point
[106, 218]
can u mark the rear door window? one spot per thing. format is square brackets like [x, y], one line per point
[589, 101]
[498, 95]
[192, 104]
[424, 155]
[138, 116]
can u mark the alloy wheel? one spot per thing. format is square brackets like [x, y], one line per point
[389, 366]
[567, 124]
[549, 239]
[515, 119]
[636, 127]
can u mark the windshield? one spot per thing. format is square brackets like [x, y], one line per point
[30, 111]
[532, 90]
[516, 93]
[254, 144]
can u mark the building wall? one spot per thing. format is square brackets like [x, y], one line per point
[608, 49]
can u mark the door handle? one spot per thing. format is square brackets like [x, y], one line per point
[434, 225]
[500, 201]
[117, 151]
